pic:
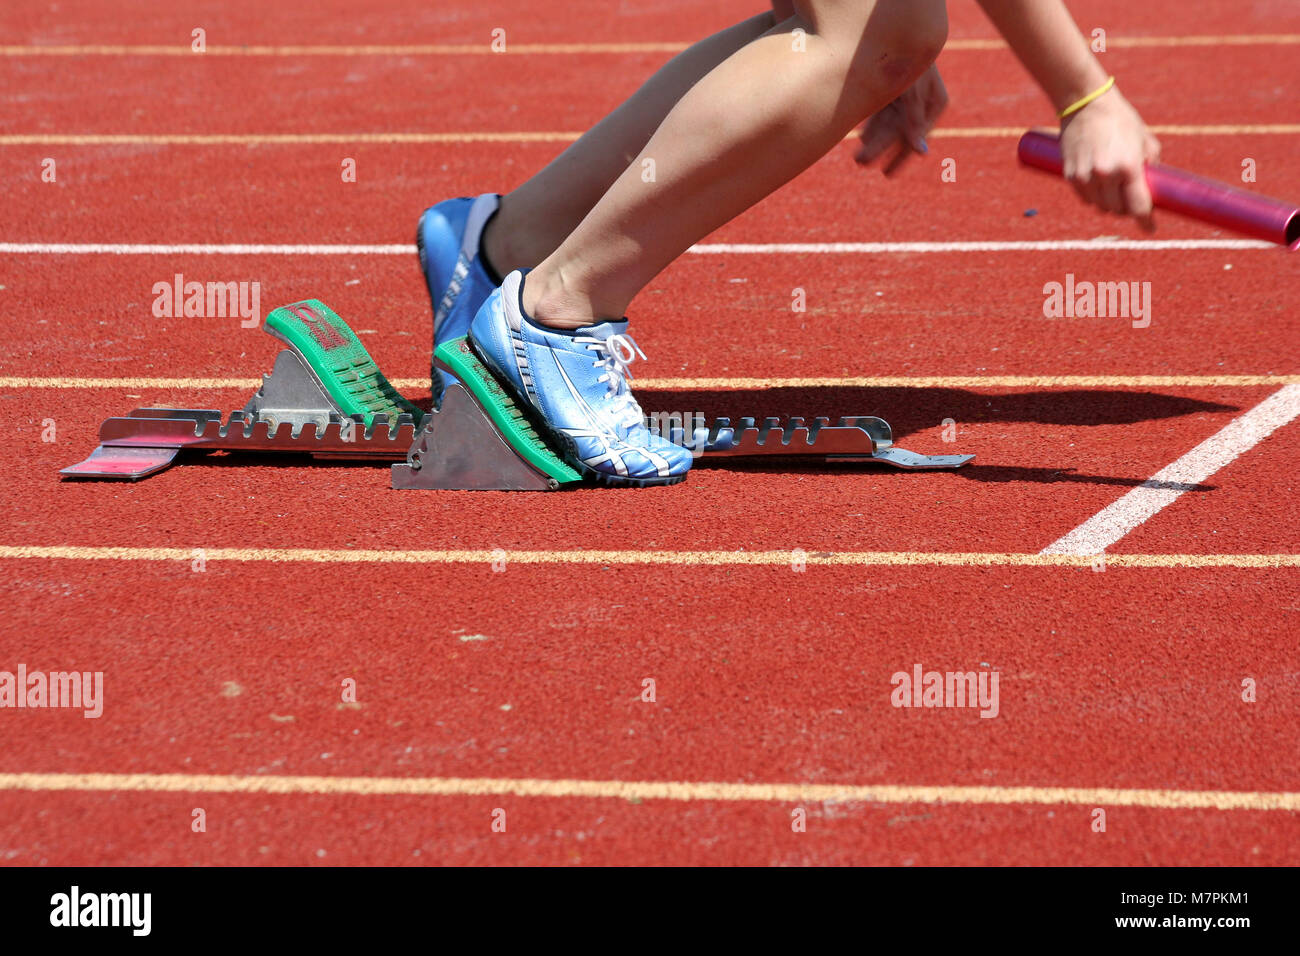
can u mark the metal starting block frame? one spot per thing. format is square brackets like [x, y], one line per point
[290, 413]
[457, 447]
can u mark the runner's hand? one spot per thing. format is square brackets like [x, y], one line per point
[905, 122]
[1105, 147]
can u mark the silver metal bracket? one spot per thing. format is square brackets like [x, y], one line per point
[458, 447]
[857, 438]
[293, 394]
[290, 413]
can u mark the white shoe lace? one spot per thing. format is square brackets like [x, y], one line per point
[616, 353]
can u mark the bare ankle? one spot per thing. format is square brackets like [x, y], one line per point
[550, 301]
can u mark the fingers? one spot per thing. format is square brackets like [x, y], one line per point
[874, 144]
[937, 100]
[1110, 193]
[1114, 184]
[916, 123]
[922, 107]
[907, 120]
[879, 133]
[1151, 148]
[1137, 200]
[917, 113]
[1081, 177]
[1124, 193]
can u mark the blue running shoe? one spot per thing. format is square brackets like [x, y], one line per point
[576, 384]
[448, 238]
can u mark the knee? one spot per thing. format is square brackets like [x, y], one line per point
[928, 33]
[911, 36]
[926, 30]
[890, 42]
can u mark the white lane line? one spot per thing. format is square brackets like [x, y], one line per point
[769, 248]
[1050, 245]
[1236, 438]
[200, 249]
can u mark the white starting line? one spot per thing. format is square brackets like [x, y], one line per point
[765, 248]
[1236, 438]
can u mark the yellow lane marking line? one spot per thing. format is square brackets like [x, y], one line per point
[679, 558]
[1231, 129]
[653, 790]
[978, 381]
[398, 49]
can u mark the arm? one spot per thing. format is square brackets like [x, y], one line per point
[1106, 144]
[1044, 37]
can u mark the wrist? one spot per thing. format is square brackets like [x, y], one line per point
[1078, 86]
[1079, 105]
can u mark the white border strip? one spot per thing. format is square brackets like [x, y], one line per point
[1047, 245]
[1236, 438]
[769, 248]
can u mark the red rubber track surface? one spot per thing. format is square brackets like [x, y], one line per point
[1121, 681]
[866, 316]
[176, 95]
[550, 689]
[337, 22]
[1053, 459]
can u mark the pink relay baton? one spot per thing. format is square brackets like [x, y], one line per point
[1190, 195]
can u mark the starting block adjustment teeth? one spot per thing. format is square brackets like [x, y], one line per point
[857, 438]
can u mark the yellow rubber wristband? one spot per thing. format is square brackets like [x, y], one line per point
[1075, 107]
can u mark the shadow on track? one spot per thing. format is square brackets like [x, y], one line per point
[913, 410]
[908, 410]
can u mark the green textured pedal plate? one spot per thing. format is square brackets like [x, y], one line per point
[338, 360]
[510, 420]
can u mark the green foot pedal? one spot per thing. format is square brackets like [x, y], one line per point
[479, 439]
[338, 361]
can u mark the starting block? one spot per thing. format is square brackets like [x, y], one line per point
[326, 397]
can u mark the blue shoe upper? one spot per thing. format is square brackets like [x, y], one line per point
[448, 239]
[577, 381]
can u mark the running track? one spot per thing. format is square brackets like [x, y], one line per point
[521, 690]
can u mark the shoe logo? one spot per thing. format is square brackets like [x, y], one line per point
[611, 448]
[452, 293]
[521, 364]
[324, 333]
